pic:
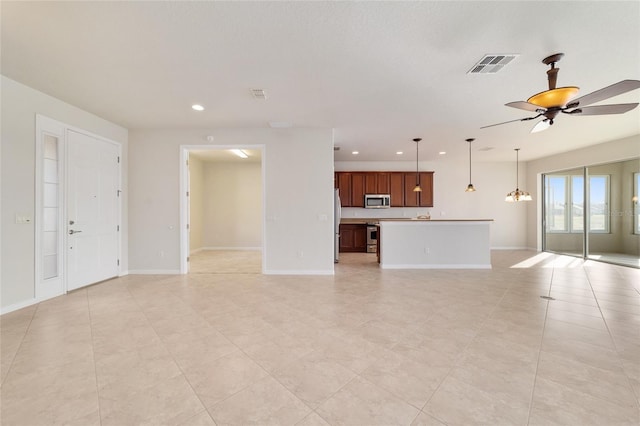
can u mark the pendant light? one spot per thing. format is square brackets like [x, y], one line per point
[417, 188]
[470, 187]
[517, 195]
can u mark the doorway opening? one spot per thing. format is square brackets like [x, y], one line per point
[222, 205]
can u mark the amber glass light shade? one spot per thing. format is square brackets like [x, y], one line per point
[555, 97]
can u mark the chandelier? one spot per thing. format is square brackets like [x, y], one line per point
[517, 195]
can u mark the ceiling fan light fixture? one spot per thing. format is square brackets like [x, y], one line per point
[555, 97]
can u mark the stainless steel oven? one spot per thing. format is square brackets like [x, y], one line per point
[372, 238]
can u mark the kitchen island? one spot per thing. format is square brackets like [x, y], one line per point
[434, 244]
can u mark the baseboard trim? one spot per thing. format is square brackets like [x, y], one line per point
[26, 303]
[437, 266]
[230, 248]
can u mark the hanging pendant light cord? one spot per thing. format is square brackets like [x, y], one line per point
[469, 162]
[517, 169]
[417, 174]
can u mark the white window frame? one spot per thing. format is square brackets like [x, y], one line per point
[636, 203]
[568, 203]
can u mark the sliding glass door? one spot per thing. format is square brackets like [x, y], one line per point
[592, 212]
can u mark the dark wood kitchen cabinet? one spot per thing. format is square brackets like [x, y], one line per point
[354, 185]
[353, 238]
[418, 199]
[344, 188]
[358, 181]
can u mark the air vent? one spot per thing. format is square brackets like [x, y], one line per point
[258, 93]
[491, 64]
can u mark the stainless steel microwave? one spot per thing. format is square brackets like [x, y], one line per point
[377, 201]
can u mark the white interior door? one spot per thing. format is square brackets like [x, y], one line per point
[92, 210]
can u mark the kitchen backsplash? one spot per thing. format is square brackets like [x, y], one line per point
[393, 212]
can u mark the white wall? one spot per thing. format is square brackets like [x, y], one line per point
[20, 104]
[297, 162]
[196, 203]
[618, 150]
[233, 205]
[492, 180]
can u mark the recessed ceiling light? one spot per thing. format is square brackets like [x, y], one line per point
[240, 153]
[197, 107]
[399, 153]
[442, 152]
[355, 152]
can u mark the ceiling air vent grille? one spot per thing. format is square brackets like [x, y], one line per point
[258, 94]
[491, 64]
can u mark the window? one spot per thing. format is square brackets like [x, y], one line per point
[636, 203]
[565, 204]
[556, 194]
[599, 204]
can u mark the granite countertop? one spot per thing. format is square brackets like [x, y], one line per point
[377, 220]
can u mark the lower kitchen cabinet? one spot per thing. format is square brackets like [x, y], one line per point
[353, 238]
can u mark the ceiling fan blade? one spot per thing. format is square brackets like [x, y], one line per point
[615, 89]
[512, 121]
[604, 109]
[542, 125]
[525, 106]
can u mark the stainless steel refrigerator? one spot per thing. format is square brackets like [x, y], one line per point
[337, 214]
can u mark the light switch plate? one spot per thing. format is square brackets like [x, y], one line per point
[23, 218]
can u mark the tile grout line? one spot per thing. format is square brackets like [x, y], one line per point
[13, 358]
[613, 341]
[544, 325]
[455, 364]
[93, 354]
[170, 354]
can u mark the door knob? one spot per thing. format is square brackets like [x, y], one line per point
[71, 232]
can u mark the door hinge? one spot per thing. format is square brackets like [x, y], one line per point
[118, 159]
[118, 262]
[118, 193]
[187, 193]
[187, 162]
[118, 228]
[187, 226]
[188, 259]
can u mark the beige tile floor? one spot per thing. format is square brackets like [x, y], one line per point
[363, 347]
[226, 262]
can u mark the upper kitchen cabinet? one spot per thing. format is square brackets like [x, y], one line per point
[354, 185]
[383, 182]
[418, 199]
[425, 198]
[396, 189]
[344, 188]
[358, 182]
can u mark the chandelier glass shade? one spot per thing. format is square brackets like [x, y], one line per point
[517, 195]
[554, 97]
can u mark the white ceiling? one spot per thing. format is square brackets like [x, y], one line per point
[380, 73]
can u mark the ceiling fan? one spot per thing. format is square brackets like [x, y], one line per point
[550, 103]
